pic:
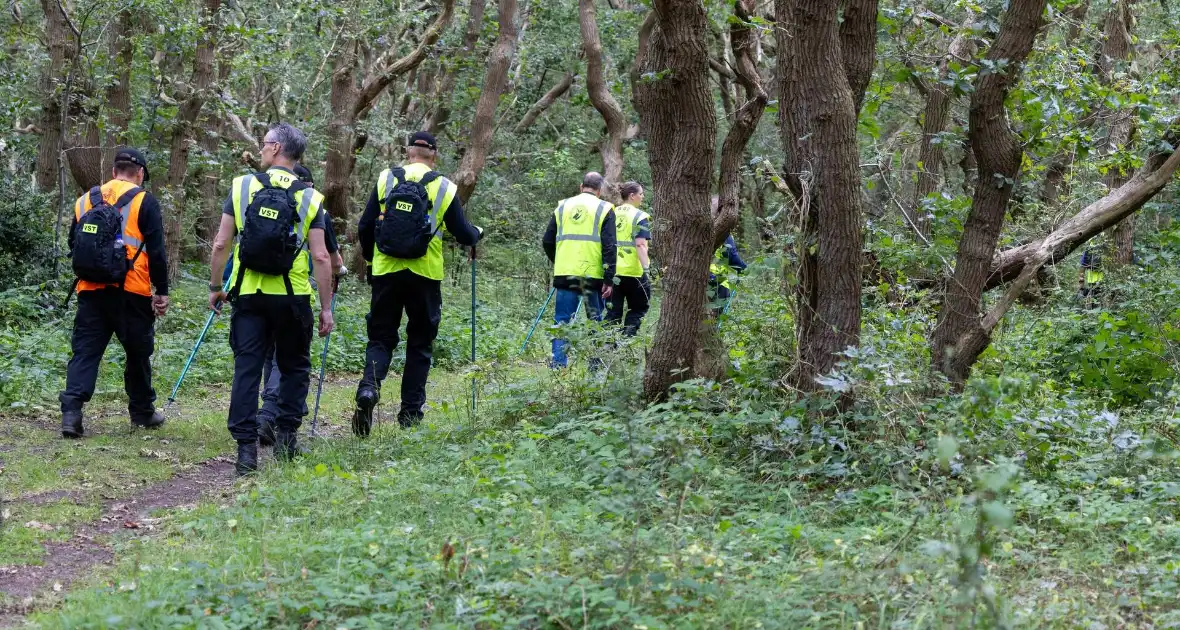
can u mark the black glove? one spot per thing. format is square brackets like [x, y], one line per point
[369, 275]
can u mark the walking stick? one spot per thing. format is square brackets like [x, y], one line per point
[192, 355]
[473, 329]
[323, 364]
[540, 314]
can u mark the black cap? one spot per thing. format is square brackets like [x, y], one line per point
[303, 174]
[133, 156]
[423, 139]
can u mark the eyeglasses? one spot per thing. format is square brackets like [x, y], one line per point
[266, 142]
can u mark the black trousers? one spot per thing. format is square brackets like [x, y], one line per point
[636, 292]
[258, 322]
[129, 317]
[421, 299]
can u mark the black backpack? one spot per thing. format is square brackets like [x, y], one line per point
[270, 238]
[403, 230]
[99, 254]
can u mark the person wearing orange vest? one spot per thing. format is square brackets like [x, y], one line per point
[127, 310]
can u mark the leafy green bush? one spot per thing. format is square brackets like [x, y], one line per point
[1120, 357]
[26, 233]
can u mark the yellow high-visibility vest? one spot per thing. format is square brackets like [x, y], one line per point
[579, 236]
[627, 220]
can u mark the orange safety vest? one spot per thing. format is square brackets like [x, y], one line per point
[138, 281]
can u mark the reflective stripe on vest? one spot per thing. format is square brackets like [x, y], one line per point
[138, 281]
[579, 237]
[441, 193]
[310, 202]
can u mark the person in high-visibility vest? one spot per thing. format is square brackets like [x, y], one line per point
[580, 242]
[412, 286]
[1090, 276]
[272, 307]
[269, 411]
[128, 311]
[726, 258]
[632, 233]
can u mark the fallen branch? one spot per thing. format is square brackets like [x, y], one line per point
[545, 102]
[1095, 218]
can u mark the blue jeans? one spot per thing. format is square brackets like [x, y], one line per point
[567, 303]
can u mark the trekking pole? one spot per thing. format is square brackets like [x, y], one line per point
[540, 314]
[472, 329]
[323, 363]
[192, 355]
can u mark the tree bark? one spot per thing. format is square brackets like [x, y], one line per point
[483, 126]
[545, 102]
[679, 123]
[1116, 51]
[600, 96]
[817, 120]
[173, 197]
[442, 113]
[746, 118]
[998, 153]
[62, 47]
[858, 46]
[935, 117]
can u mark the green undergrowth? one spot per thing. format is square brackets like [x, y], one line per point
[1035, 497]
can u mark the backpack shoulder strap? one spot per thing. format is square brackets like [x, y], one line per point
[95, 196]
[126, 198]
[429, 177]
[264, 179]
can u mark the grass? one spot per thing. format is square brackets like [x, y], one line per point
[566, 503]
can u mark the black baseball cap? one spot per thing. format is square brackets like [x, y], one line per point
[133, 156]
[423, 139]
[303, 174]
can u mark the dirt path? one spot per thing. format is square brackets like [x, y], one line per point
[67, 561]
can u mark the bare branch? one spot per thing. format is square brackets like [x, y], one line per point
[385, 73]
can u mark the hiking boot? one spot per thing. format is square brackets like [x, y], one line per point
[362, 419]
[266, 429]
[287, 446]
[71, 424]
[247, 459]
[409, 418]
[150, 422]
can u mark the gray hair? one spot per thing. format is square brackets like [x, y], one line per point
[293, 142]
[593, 181]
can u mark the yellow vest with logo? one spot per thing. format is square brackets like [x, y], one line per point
[627, 220]
[441, 193]
[308, 202]
[720, 267]
[579, 236]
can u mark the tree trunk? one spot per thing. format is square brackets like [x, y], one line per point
[483, 126]
[817, 116]
[998, 153]
[858, 46]
[545, 102]
[62, 47]
[935, 117]
[1116, 51]
[746, 119]
[118, 110]
[600, 96]
[173, 196]
[447, 86]
[678, 121]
